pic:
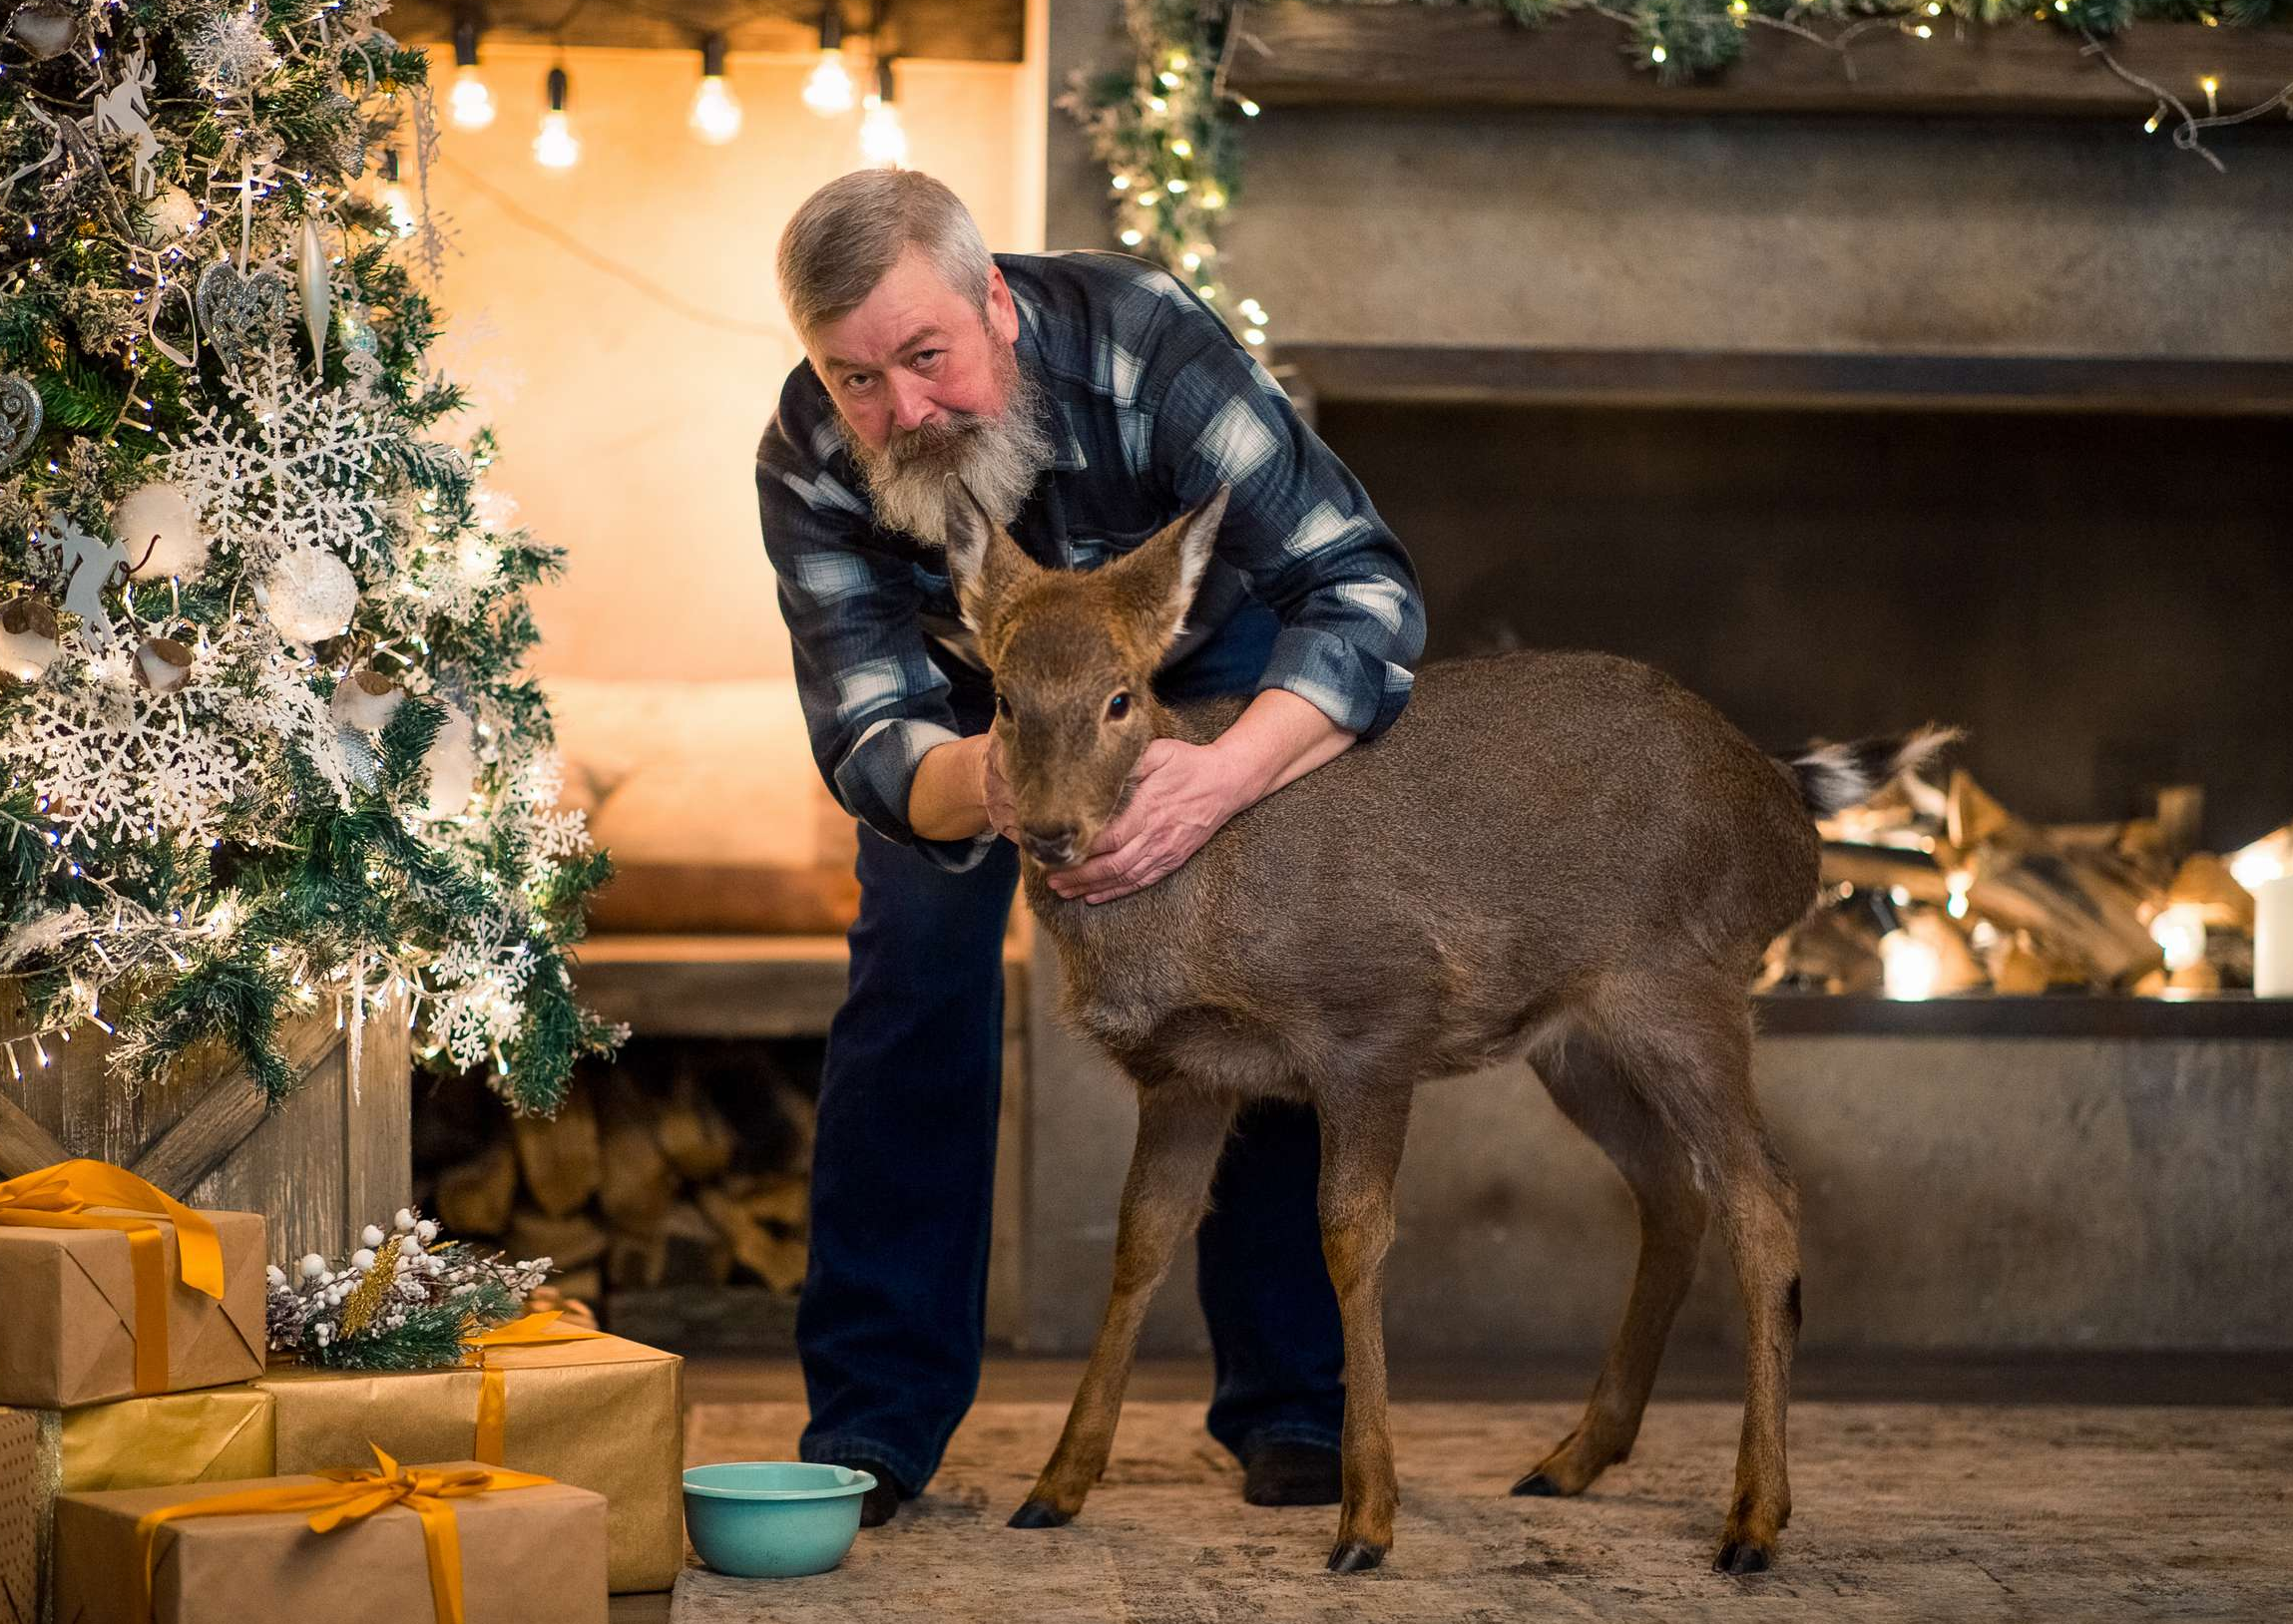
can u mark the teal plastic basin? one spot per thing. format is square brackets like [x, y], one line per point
[773, 1519]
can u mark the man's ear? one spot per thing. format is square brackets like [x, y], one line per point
[984, 562]
[1154, 586]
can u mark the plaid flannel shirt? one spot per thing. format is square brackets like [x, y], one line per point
[1153, 404]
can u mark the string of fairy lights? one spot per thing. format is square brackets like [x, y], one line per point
[1165, 123]
[831, 90]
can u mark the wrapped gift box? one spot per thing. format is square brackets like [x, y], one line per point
[600, 1413]
[169, 1439]
[527, 1554]
[209, 1436]
[70, 1335]
[21, 1505]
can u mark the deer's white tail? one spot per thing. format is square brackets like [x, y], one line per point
[1834, 777]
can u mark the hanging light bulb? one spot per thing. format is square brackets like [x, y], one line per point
[472, 103]
[395, 194]
[555, 147]
[828, 92]
[882, 141]
[716, 116]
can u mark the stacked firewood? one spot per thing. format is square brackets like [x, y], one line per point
[642, 1180]
[1935, 889]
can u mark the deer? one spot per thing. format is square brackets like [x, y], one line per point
[1562, 856]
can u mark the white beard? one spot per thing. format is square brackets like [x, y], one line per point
[999, 457]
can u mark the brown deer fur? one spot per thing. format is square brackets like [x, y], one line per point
[1565, 856]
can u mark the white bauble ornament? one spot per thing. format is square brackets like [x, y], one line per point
[402, 1219]
[158, 519]
[363, 1257]
[162, 665]
[29, 638]
[371, 1237]
[310, 595]
[44, 28]
[452, 765]
[366, 700]
[170, 213]
[314, 1266]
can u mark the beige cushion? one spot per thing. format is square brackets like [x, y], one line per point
[706, 797]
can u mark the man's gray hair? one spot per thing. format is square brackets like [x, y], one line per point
[852, 230]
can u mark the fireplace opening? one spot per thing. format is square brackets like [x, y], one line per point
[670, 1189]
[2103, 599]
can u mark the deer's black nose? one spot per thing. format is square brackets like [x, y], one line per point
[1049, 843]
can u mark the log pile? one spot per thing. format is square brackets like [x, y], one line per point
[1934, 889]
[642, 1179]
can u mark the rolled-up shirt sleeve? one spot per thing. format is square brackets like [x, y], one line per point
[1298, 524]
[874, 701]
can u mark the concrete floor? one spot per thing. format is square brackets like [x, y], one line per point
[2072, 1488]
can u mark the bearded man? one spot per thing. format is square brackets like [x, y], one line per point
[1087, 400]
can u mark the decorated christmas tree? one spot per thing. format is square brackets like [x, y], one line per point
[264, 747]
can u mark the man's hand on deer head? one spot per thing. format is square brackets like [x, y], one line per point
[1180, 795]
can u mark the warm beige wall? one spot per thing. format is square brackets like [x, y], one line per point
[629, 429]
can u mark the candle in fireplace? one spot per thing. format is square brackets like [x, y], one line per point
[2273, 938]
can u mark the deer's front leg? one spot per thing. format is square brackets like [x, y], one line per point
[1361, 1153]
[1181, 1132]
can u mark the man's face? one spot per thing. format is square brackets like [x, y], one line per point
[915, 353]
[924, 388]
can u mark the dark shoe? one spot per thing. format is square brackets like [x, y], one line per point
[878, 1504]
[1282, 1472]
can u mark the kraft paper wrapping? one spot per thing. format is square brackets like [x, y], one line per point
[21, 1508]
[602, 1413]
[166, 1440]
[209, 1436]
[69, 1335]
[528, 1555]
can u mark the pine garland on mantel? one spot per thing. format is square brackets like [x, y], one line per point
[1165, 127]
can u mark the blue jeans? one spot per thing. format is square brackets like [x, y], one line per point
[892, 1317]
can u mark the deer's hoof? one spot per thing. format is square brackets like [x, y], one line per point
[1040, 1514]
[1539, 1485]
[1355, 1557]
[1743, 1557]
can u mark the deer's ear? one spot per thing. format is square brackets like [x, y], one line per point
[984, 562]
[1154, 586]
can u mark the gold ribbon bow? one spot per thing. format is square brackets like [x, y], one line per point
[349, 1493]
[60, 1197]
[493, 1393]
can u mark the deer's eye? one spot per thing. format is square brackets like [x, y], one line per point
[1003, 707]
[1119, 707]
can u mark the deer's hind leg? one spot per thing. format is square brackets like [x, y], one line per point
[1686, 1044]
[1593, 1092]
[1181, 1130]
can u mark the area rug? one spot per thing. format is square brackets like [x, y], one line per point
[1901, 1513]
